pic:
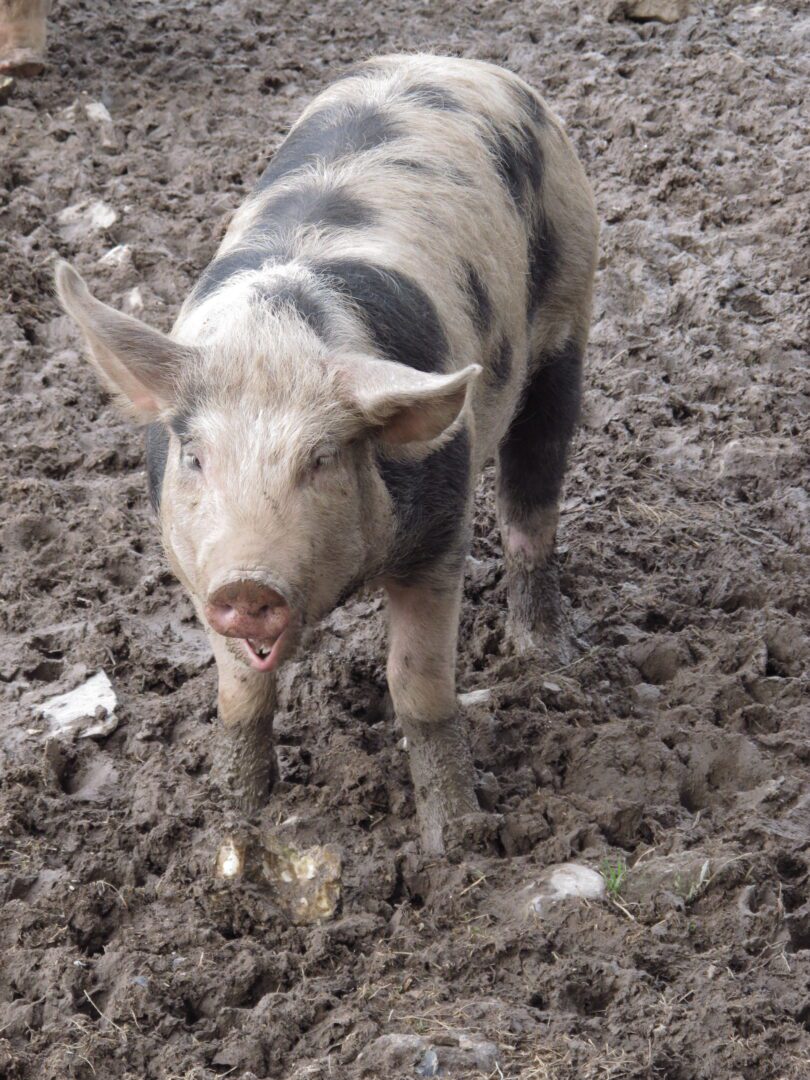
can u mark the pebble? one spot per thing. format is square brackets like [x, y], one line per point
[90, 215]
[554, 885]
[475, 697]
[564, 881]
[120, 255]
[87, 711]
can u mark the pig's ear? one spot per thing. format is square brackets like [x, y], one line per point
[138, 364]
[404, 405]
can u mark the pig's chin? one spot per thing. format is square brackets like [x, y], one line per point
[264, 655]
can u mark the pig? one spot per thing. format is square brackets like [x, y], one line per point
[404, 297]
[22, 36]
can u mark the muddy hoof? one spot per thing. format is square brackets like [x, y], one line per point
[478, 831]
[22, 63]
[555, 648]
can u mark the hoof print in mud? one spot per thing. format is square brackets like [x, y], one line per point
[305, 884]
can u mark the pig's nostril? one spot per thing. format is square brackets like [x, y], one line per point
[248, 609]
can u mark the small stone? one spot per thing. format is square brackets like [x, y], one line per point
[133, 301]
[88, 711]
[555, 885]
[475, 697]
[90, 215]
[98, 111]
[484, 1053]
[120, 255]
[230, 859]
[7, 84]
[429, 1065]
[564, 881]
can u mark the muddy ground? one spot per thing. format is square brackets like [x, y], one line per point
[675, 745]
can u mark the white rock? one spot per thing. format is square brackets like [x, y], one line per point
[75, 711]
[97, 113]
[120, 255]
[230, 860]
[475, 697]
[97, 110]
[90, 215]
[563, 881]
[133, 301]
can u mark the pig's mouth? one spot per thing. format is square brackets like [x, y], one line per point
[264, 655]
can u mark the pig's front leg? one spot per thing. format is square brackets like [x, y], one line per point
[245, 763]
[422, 681]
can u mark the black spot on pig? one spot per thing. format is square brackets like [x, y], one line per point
[236, 262]
[480, 302]
[180, 423]
[518, 161]
[529, 103]
[544, 258]
[429, 498]
[399, 315]
[431, 168]
[191, 403]
[500, 367]
[295, 296]
[332, 133]
[533, 453]
[433, 97]
[157, 451]
[328, 208]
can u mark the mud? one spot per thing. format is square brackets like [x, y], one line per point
[672, 753]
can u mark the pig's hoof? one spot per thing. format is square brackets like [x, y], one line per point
[478, 831]
[21, 63]
[553, 647]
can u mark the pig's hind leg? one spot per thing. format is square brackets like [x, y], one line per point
[422, 680]
[245, 762]
[531, 466]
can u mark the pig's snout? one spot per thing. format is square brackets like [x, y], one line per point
[252, 611]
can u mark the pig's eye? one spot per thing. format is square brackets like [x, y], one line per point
[323, 459]
[191, 461]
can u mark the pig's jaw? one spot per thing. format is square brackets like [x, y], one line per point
[263, 655]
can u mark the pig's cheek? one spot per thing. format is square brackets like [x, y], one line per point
[181, 558]
[185, 533]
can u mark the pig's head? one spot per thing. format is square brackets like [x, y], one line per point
[271, 504]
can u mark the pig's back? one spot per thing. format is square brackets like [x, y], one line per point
[437, 206]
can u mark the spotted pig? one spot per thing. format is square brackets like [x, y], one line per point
[404, 297]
